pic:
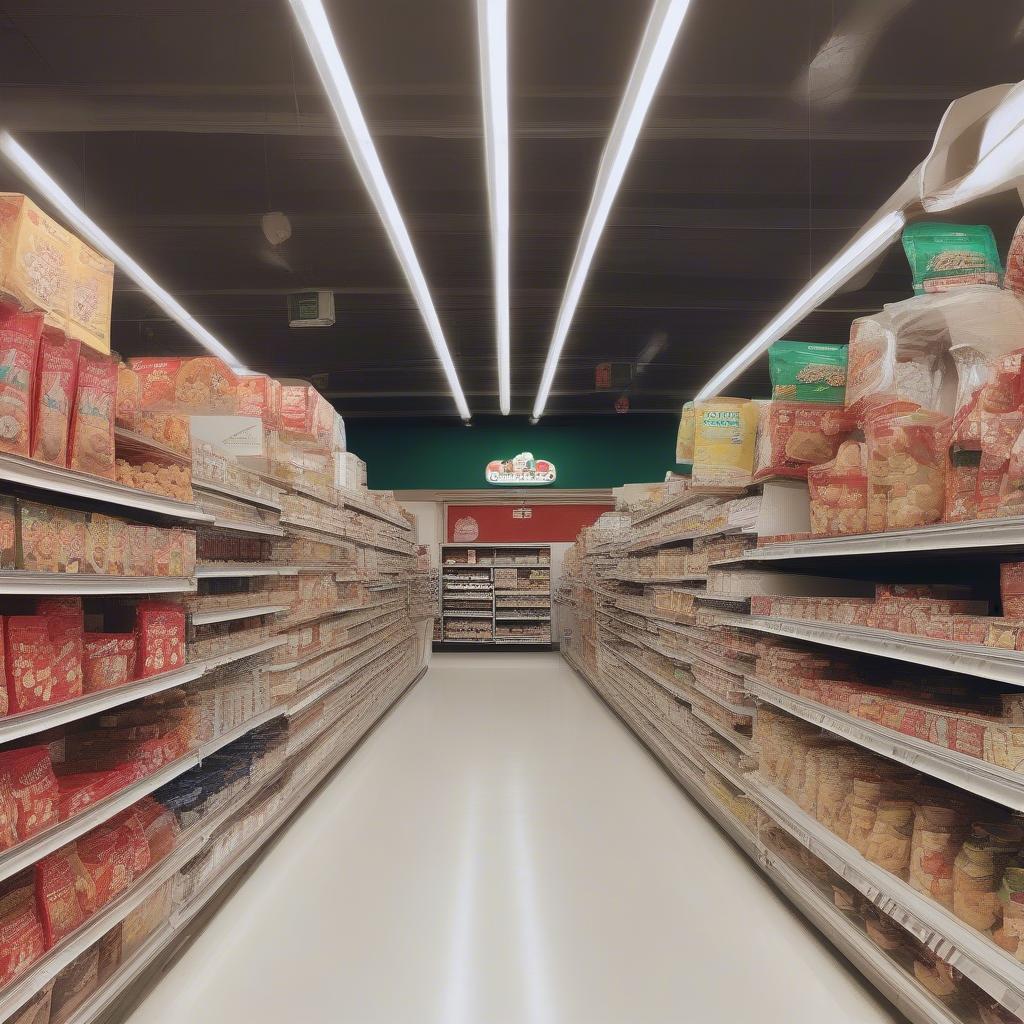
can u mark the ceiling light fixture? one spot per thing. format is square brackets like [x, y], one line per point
[492, 30]
[863, 250]
[659, 36]
[87, 229]
[316, 30]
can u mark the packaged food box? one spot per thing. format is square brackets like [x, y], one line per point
[8, 532]
[37, 1009]
[59, 909]
[55, 388]
[19, 354]
[34, 787]
[36, 256]
[203, 385]
[108, 660]
[307, 418]
[260, 395]
[74, 984]
[92, 292]
[685, 435]
[92, 425]
[160, 637]
[21, 934]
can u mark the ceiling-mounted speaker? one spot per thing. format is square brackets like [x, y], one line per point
[311, 309]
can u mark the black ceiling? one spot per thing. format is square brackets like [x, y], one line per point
[178, 123]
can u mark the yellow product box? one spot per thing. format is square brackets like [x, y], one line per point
[35, 259]
[92, 292]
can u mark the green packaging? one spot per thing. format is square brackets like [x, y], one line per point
[802, 371]
[944, 256]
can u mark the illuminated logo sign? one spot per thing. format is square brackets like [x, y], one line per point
[522, 471]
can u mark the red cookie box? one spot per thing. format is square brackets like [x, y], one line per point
[108, 660]
[19, 353]
[33, 786]
[22, 940]
[82, 789]
[260, 395]
[1011, 588]
[60, 910]
[160, 637]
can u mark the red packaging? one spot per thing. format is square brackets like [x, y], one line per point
[66, 635]
[79, 791]
[56, 898]
[201, 386]
[108, 660]
[22, 941]
[8, 813]
[56, 379]
[129, 831]
[108, 863]
[961, 501]
[59, 606]
[34, 788]
[29, 662]
[129, 397]
[259, 395]
[1011, 589]
[161, 828]
[160, 637]
[19, 352]
[307, 418]
[92, 426]
[793, 436]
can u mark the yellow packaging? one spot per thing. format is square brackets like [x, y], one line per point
[92, 290]
[725, 438]
[35, 259]
[685, 436]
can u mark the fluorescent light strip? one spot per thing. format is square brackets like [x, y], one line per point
[82, 225]
[858, 254]
[316, 29]
[492, 28]
[659, 37]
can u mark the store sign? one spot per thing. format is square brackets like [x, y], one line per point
[522, 471]
[522, 513]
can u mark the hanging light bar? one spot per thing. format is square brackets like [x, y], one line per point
[316, 29]
[659, 36]
[863, 250]
[492, 29]
[77, 220]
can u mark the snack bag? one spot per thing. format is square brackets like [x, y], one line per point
[65, 633]
[944, 256]
[35, 258]
[28, 661]
[56, 898]
[22, 941]
[805, 372]
[19, 353]
[685, 436]
[129, 397]
[839, 492]
[56, 378]
[92, 429]
[724, 442]
[792, 436]
[907, 454]
[34, 788]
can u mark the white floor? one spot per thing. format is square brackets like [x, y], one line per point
[502, 851]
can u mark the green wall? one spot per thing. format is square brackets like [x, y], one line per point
[588, 451]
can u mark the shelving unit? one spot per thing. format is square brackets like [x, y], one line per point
[500, 578]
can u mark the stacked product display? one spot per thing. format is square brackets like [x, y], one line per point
[496, 594]
[820, 632]
[191, 639]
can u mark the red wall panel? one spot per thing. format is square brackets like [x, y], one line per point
[547, 524]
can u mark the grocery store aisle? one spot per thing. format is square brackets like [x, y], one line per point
[501, 851]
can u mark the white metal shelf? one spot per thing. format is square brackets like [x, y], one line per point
[232, 570]
[982, 533]
[253, 499]
[201, 618]
[522, 618]
[243, 526]
[349, 500]
[742, 743]
[975, 955]
[244, 652]
[57, 480]
[27, 853]
[21, 581]
[522, 593]
[655, 580]
[471, 614]
[987, 662]
[1000, 785]
[13, 727]
[745, 710]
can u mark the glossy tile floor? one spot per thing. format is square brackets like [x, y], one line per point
[502, 851]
